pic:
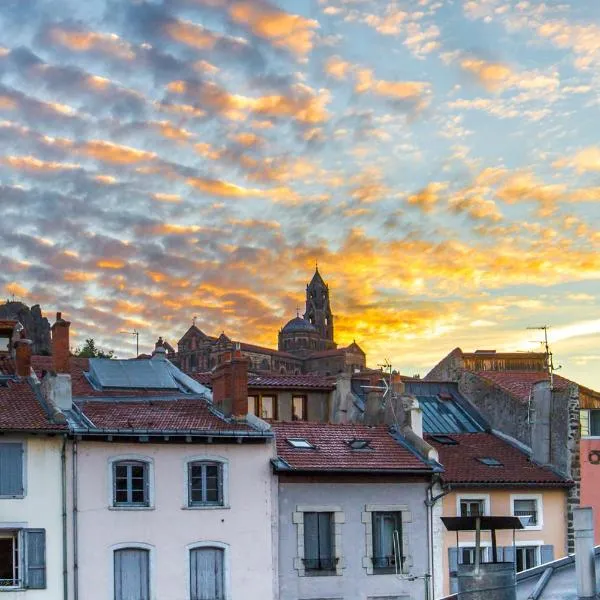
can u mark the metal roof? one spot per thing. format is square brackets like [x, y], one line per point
[139, 374]
[446, 416]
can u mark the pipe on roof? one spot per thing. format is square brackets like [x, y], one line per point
[541, 584]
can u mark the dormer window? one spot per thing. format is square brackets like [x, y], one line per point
[490, 462]
[444, 439]
[357, 444]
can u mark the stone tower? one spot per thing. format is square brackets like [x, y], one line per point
[318, 309]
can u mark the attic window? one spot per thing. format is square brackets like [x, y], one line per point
[444, 439]
[490, 462]
[445, 396]
[300, 443]
[356, 444]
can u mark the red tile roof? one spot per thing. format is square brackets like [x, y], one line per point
[332, 452]
[267, 381]
[157, 416]
[462, 467]
[519, 383]
[82, 388]
[20, 409]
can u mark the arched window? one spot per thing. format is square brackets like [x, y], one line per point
[208, 577]
[132, 573]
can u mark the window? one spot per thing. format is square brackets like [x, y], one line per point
[387, 542]
[319, 542]
[299, 412]
[11, 469]
[131, 483]
[205, 483]
[527, 557]
[595, 422]
[23, 558]
[207, 573]
[472, 507]
[300, 443]
[268, 407]
[132, 574]
[253, 405]
[526, 508]
[357, 444]
[490, 462]
[466, 555]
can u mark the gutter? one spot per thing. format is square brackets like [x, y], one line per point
[507, 484]
[75, 531]
[63, 478]
[174, 432]
[354, 471]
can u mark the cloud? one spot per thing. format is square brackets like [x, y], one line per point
[584, 161]
[427, 198]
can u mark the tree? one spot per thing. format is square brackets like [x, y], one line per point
[90, 350]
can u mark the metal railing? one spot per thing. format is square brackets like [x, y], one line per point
[532, 514]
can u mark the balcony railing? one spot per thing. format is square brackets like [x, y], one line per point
[532, 514]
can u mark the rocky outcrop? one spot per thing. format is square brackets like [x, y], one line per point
[36, 325]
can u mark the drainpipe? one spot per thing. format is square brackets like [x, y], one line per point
[75, 544]
[63, 477]
[585, 564]
[430, 501]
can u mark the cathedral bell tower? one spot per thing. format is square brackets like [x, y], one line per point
[318, 310]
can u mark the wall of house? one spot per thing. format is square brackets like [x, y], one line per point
[317, 403]
[40, 508]
[352, 498]
[552, 529]
[169, 527]
[590, 474]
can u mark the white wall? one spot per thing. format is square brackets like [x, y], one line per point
[40, 508]
[168, 529]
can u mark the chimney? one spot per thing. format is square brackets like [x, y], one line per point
[23, 355]
[160, 352]
[60, 345]
[540, 430]
[585, 563]
[230, 385]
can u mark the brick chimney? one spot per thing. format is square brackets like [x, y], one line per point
[60, 345]
[230, 384]
[159, 352]
[23, 355]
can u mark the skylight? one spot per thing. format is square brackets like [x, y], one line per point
[490, 462]
[299, 443]
[356, 444]
[444, 439]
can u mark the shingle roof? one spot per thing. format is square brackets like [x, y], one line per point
[20, 409]
[332, 452]
[462, 467]
[158, 416]
[293, 382]
[519, 383]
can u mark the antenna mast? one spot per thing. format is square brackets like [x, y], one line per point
[549, 360]
[137, 340]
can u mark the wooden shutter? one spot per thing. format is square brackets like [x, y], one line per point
[11, 469]
[132, 574]
[452, 568]
[326, 540]
[34, 542]
[207, 581]
[311, 539]
[509, 554]
[547, 553]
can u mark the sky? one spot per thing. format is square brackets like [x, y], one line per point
[170, 159]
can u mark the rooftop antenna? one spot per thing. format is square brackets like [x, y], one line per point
[549, 360]
[137, 340]
[194, 320]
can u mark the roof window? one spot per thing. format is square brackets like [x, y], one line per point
[490, 462]
[444, 439]
[300, 443]
[357, 444]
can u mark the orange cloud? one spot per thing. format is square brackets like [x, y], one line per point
[79, 276]
[33, 164]
[414, 91]
[584, 161]
[172, 198]
[87, 41]
[216, 187]
[337, 67]
[115, 153]
[110, 263]
[491, 75]
[427, 198]
[7, 103]
[191, 34]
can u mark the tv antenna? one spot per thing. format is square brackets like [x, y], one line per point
[549, 360]
[137, 340]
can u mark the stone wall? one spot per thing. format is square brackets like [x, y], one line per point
[37, 326]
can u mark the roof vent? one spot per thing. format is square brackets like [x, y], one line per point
[357, 444]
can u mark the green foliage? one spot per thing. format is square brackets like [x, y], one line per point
[90, 350]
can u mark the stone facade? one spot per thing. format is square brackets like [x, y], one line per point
[36, 325]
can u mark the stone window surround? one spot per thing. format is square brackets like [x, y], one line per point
[339, 518]
[367, 519]
[224, 473]
[487, 507]
[539, 507]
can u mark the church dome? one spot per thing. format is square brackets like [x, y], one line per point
[298, 325]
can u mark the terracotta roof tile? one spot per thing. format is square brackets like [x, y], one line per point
[157, 415]
[291, 381]
[332, 452]
[20, 409]
[462, 467]
[519, 383]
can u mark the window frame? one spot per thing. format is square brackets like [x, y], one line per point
[377, 570]
[226, 565]
[23, 493]
[20, 532]
[16, 535]
[465, 497]
[539, 508]
[223, 464]
[151, 565]
[304, 400]
[524, 544]
[339, 519]
[367, 520]
[149, 471]
[591, 433]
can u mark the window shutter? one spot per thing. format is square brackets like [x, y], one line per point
[547, 553]
[11, 469]
[453, 566]
[509, 554]
[132, 580]
[326, 538]
[207, 574]
[311, 539]
[35, 558]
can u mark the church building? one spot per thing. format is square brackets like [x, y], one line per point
[306, 343]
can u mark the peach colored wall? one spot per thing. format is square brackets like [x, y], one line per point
[553, 530]
[169, 528]
[590, 485]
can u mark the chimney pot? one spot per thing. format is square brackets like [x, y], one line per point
[23, 356]
[585, 563]
[60, 345]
